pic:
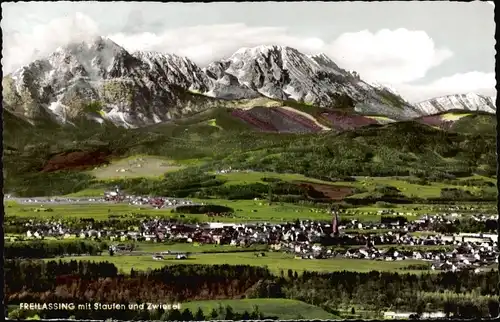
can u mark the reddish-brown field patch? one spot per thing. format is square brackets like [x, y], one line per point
[331, 192]
[342, 121]
[436, 120]
[76, 160]
[269, 119]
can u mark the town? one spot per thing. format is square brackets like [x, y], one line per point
[394, 240]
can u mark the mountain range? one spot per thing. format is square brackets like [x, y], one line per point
[104, 82]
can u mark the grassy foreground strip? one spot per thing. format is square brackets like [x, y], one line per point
[284, 309]
[274, 261]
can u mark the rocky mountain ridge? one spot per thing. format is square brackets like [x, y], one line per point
[458, 102]
[102, 81]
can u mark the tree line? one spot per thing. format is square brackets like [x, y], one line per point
[220, 313]
[21, 225]
[52, 248]
[82, 281]
[465, 225]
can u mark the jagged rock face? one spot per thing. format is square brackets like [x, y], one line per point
[146, 87]
[225, 85]
[131, 90]
[172, 69]
[286, 74]
[464, 102]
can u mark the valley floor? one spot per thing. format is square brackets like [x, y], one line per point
[258, 210]
[275, 261]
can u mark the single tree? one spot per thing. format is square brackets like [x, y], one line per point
[199, 316]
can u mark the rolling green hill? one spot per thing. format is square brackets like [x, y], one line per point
[217, 140]
[480, 123]
[284, 309]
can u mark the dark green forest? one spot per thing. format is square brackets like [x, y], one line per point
[82, 281]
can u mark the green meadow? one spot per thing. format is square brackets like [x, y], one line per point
[243, 177]
[275, 261]
[251, 210]
[245, 211]
[137, 166]
[193, 247]
[96, 211]
[284, 309]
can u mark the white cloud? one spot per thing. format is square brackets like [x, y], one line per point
[394, 57]
[21, 48]
[204, 44]
[471, 82]
[387, 56]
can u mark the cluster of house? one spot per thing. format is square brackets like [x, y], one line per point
[389, 315]
[448, 212]
[159, 229]
[465, 255]
[230, 170]
[127, 248]
[303, 241]
[304, 238]
[438, 209]
[449, 208]
[453, 215]
[158, 202]
[177, 256]
[155, 202]
[424, 223]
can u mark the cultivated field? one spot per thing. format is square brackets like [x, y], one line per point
[454, 116]
[243, 177]
[134, 167]
[90, 192]
[260, 210]
[284, 309]
[278, 120]
[96, 211]
[344, 121]
[191, 247]
[412, 190]
[245, 211]
[431, 190]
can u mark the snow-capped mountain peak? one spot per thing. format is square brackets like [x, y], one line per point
[261, 49]
[174, 70]
[101, 47]
[385, 87]
[466, 102]
[146, 87]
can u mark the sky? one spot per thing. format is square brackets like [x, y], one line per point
[420, 49]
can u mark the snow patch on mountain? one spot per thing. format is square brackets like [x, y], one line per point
[118, 117]
[149, 87]
[465, 102]
[282, 73]
[174, 70]
[386, 87]
[59, 111]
